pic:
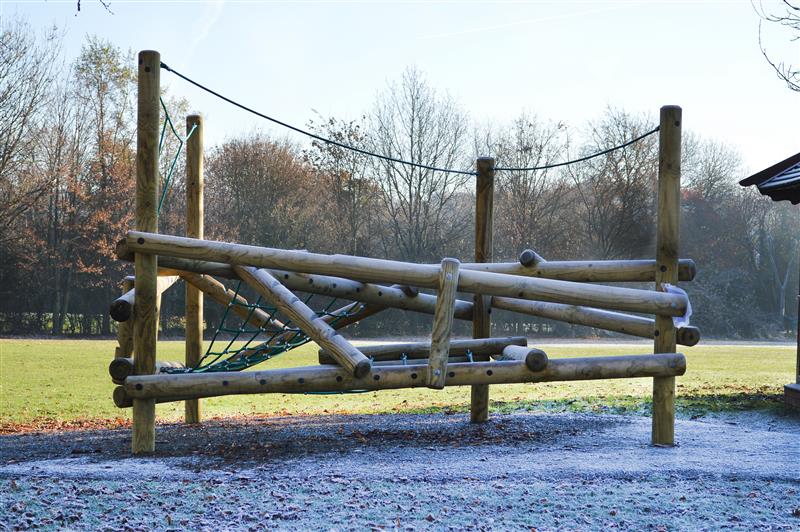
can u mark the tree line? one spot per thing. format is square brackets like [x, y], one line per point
[67, 179]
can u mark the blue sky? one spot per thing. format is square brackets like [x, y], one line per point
[562, 60]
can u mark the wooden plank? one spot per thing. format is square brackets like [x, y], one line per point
[145, 333]
[334, 378]
[667, 241]
[318, 330]
[442, 324]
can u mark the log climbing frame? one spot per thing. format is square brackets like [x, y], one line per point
[568, 291]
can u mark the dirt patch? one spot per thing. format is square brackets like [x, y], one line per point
[410, 471]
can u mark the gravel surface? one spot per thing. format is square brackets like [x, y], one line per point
[520, 471]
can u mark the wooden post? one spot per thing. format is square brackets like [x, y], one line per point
[145, 327]
[481, 318]
[125, 329]
[442, 324]
[194, 229]
[667, 241]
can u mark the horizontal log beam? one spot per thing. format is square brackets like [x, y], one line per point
[588, 271]
[121, 309]
[400, 296]
[333, 378]
[592, 317]
[426, 276]
[122, 368]
[418, 350]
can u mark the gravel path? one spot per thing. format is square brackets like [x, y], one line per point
[520, 471]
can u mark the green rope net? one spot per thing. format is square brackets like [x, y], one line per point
[238, 346]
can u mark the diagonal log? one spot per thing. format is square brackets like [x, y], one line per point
[425, 276]
[317, 329]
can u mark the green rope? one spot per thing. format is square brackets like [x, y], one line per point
[167, 181]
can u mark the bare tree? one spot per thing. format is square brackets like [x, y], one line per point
[411, 121]
[28, 68]
[616, 190]
[346, 185]
[529, 205]
[788, 18]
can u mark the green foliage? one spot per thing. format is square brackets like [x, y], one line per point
[68, 379]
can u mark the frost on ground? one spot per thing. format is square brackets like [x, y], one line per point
[518, 471]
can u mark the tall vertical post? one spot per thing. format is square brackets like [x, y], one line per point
[667, 241]
[194, 229]
[481, 320]
[145, 326]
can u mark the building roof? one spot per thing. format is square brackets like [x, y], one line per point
[780, 181]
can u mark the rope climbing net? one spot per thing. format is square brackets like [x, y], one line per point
[239, 339]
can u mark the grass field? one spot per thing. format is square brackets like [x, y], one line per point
[45, 381]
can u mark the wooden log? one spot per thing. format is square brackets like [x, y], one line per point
[481, 347]
[667, 242]
[121, 309]
[400, 296]
[122, 368]
[195, 186]
[417, 361]
[224, 296]
[588, 271]
[530, 258]
[591, 317]
[146, 323]
[125, 328]
[318, 330]
[370, 270]
[535, 359]
[442, 324]
[482, 302]
[334, 378]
